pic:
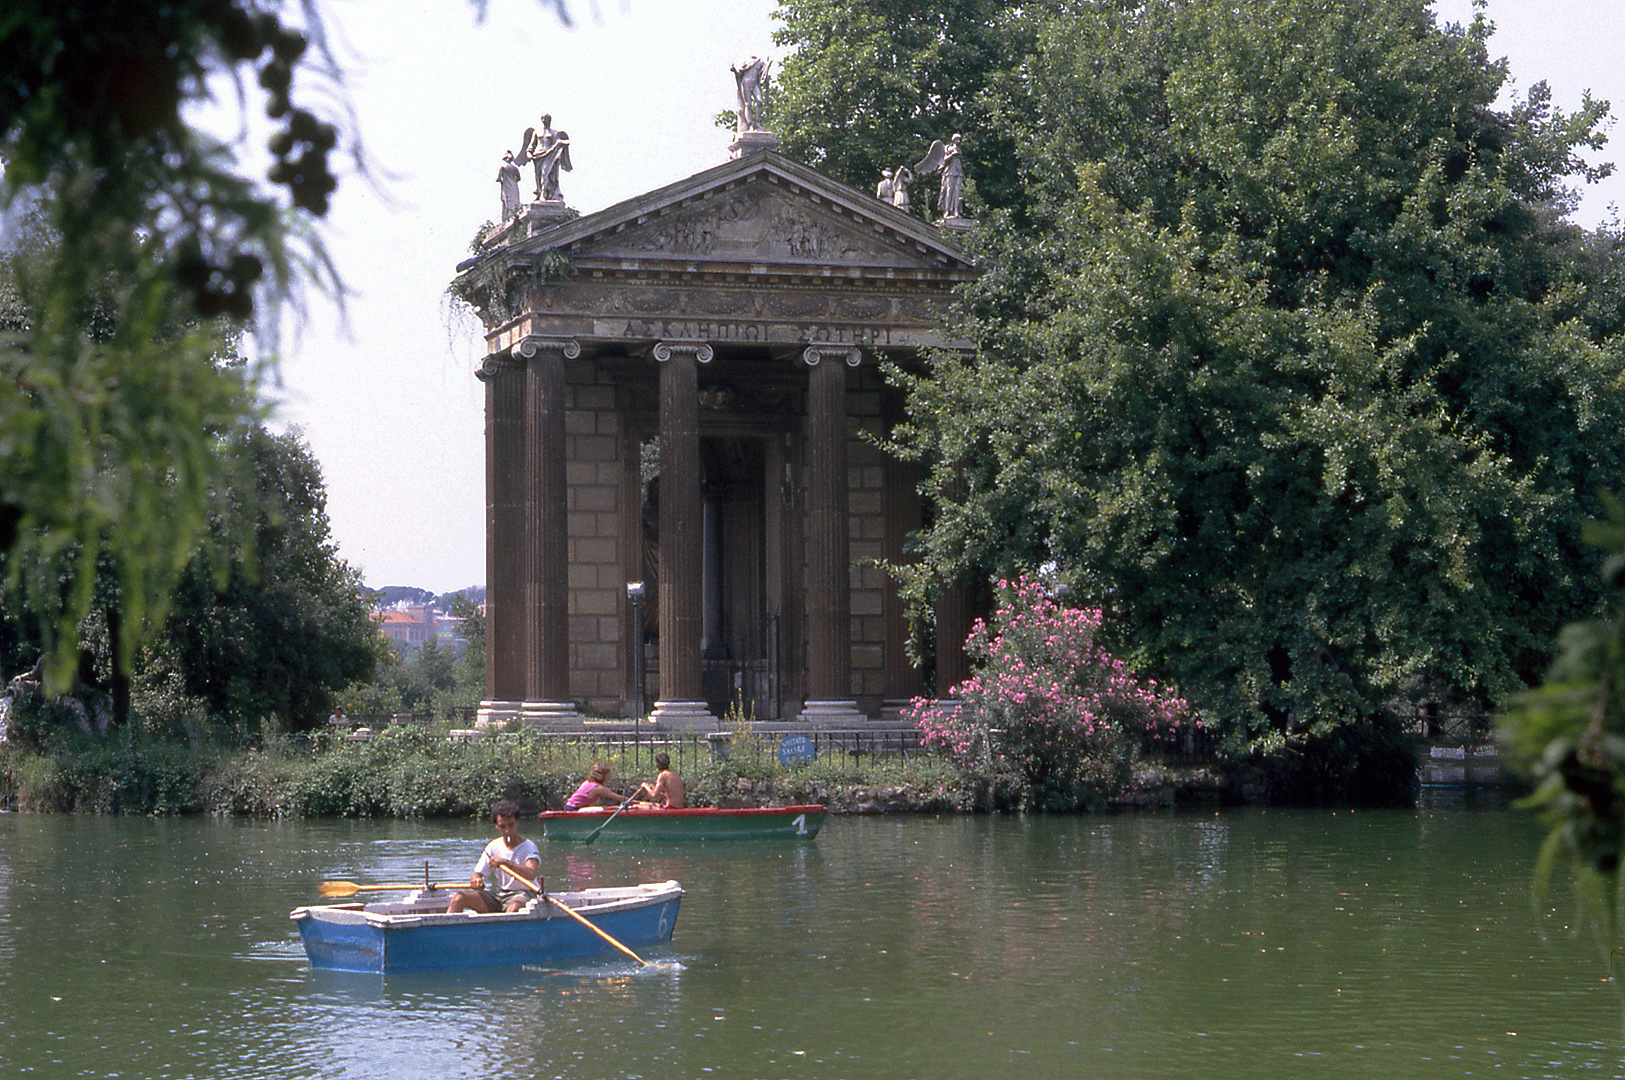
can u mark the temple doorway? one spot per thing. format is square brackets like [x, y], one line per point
[740, 644]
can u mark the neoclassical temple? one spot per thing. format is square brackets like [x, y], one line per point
[685, 506]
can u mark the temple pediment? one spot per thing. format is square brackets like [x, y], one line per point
[759, 250]
[764, 213]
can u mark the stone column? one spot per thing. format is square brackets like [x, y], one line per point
[546, 556]
[829, 579]
[682, 690]
[504, 380]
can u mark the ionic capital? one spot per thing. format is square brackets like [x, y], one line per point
[700, 350]
[531, 344]
[491, 363]
[815, 354]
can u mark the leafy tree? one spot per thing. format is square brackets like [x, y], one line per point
[267, 643]
[470, 615]
[1286, 354]
[871, 83]
[112, 399]
[111, 417]
[111, 402]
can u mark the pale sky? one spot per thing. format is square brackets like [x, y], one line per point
[393, 411]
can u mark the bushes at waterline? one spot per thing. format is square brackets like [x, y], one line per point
[402, 773]
[1046, 709]
[416, 773]
[124, 776]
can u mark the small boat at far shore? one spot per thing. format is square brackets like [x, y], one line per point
[659, 825]
[416, 934]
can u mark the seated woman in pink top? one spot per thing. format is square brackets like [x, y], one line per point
[592, 790]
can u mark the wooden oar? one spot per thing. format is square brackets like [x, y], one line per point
[350, 888]
[594, 834]
[576, 915]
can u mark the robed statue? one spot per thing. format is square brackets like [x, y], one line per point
[750, 80]
[893, 187]
[508, 180]
[900, 181]
[549, 152]
[944, 158]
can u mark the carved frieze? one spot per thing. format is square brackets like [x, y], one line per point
[797, 305]
[754, 223]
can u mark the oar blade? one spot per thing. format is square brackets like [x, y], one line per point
[594, 834]
[338, 888]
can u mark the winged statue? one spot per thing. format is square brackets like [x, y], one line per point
[549, 152]
[943, 158]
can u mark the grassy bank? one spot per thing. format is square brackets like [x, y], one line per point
[411, 772]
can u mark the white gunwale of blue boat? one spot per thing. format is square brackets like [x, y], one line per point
[414, 932]
[427, 907]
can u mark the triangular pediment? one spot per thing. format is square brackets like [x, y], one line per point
[760, 213]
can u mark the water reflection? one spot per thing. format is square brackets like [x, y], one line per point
[1251, 943]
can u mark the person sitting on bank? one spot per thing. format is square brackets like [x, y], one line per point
[667, 790]
[509, 853]
[592, 791]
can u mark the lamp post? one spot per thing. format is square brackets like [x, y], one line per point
[634, 593]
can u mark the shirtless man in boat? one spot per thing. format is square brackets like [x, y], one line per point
[668, 788]
[508, 852]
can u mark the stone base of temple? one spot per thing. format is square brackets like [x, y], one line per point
[683, 716]
[493, 714]
[832, 714]
[557, 715]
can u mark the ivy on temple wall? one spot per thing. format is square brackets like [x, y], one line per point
[494, 288]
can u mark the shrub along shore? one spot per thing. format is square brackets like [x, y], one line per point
[420, 773]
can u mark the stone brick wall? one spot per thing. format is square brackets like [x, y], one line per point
[597, 590]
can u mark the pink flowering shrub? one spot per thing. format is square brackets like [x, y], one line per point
[1045, 702]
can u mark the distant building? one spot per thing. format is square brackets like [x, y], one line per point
[407, 627]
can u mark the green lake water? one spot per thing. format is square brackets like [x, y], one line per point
[1246, 943]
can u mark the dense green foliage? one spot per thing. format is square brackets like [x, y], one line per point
[412, 771]
[1286, 355]
[431, 678]
[112, 414]
[1570, 734]
[267, 623]
[869, 85]
[128, 229]
[266, 642]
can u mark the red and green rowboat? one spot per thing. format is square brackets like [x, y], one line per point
[656, 825]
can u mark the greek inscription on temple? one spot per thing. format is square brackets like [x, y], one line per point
[722, 330]
[692, 330]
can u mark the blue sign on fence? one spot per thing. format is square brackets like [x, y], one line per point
[795, 749]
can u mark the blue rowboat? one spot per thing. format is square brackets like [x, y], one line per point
[657, 825]
[415, 933]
